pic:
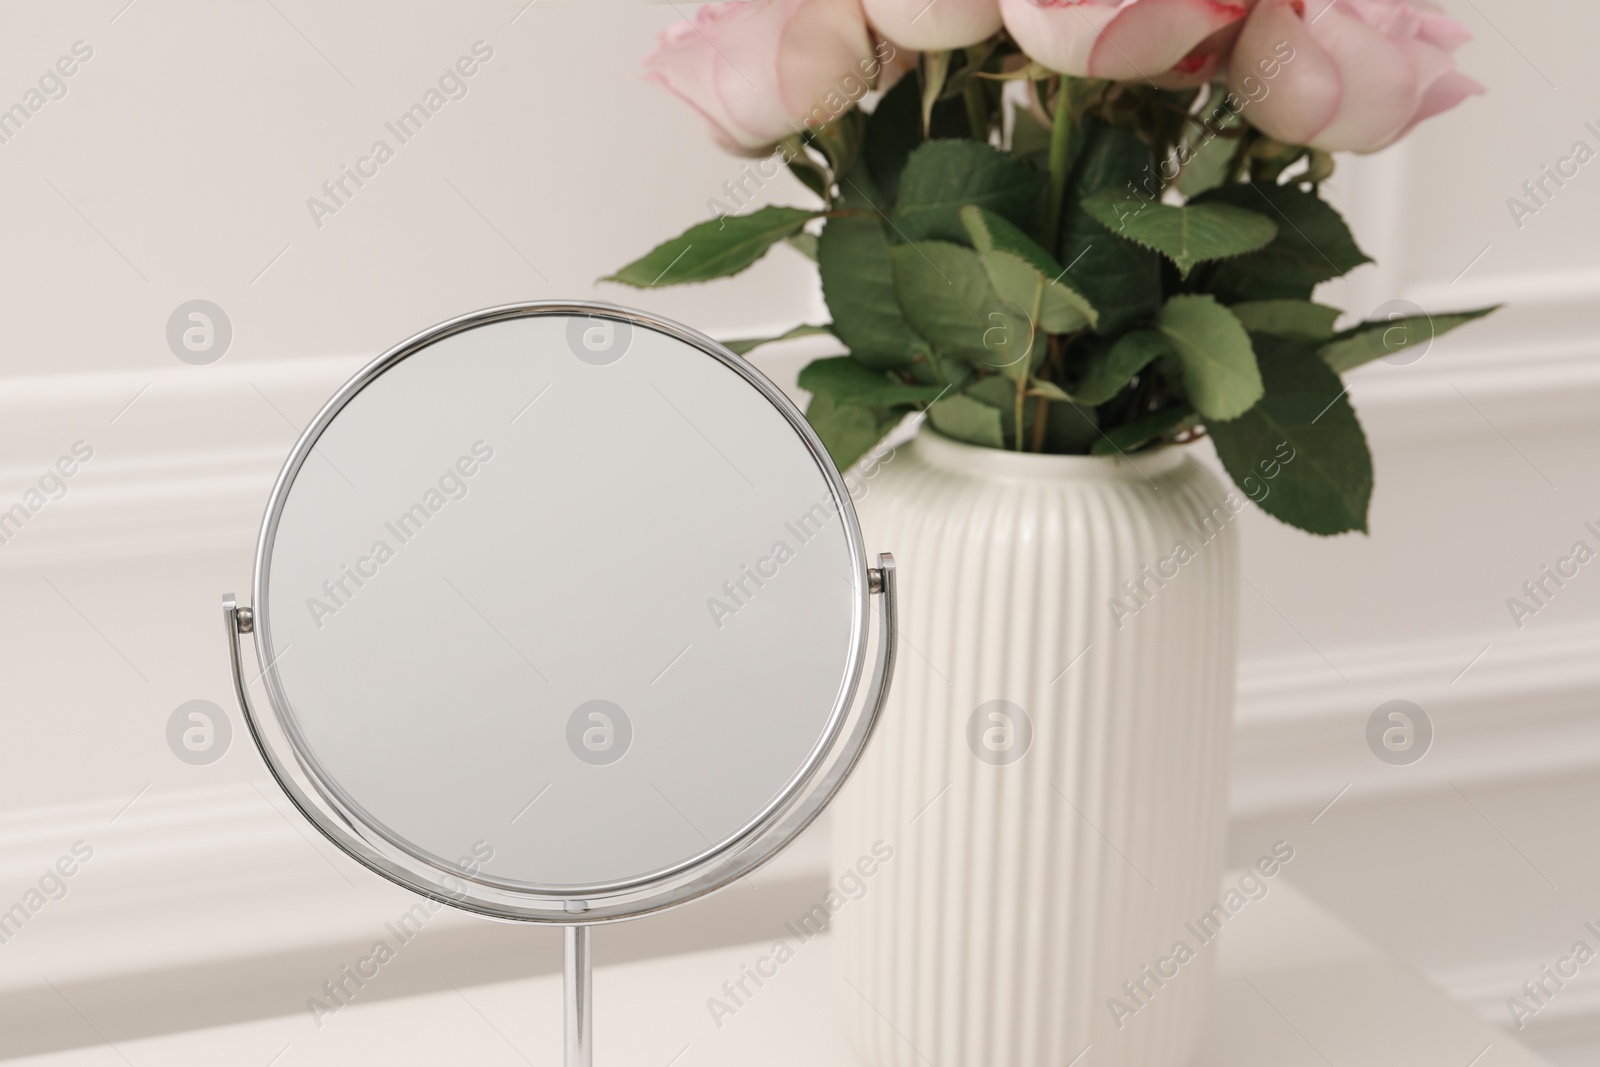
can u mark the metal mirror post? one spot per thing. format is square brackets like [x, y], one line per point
[561, 615]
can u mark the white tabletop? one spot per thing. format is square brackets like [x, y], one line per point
[1297, 988]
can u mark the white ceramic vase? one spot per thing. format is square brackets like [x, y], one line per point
[1052, 767]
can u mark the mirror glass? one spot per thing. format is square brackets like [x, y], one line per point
[560, 601]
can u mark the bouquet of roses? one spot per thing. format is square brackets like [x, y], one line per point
[1071, 226]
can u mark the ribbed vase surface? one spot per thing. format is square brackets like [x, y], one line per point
[1051, 770]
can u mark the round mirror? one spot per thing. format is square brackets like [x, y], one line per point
[561, 613]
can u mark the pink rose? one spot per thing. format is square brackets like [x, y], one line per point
[760, 70]
[1123, 40]
[1349, 75]
[939, 26]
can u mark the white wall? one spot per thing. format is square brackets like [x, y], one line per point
[178, 166]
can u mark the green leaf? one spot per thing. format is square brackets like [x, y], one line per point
[965, 419]
[1048, 390]
[1070, 429]
[1298, 320]
[849, 382]
[1061, 309]
[953, 372]
[989, 232]
[805, 243]
[1185, 235]
[943, 176]
[1300, 453]
[1312, 246]
[1135, 435]
[894, 130]
[1111, 366]
[1210, 153]
[745, 346]
[849, 431]
[1018, 267]
[1372, 340]
[858, 284]
[714, 249]
[946, 296]
[1219, 366]
[1001, 394]
[1121, 280]
[859, 192]
[810, 175]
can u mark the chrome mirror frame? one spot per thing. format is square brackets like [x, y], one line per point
[835, 755]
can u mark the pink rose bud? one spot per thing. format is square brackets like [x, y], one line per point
[1164, 42]
[1347, 75]
[938, 26]
[760, 70]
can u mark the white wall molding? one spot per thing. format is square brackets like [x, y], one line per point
[1524, 710]
[1575, 1006]
[146, 487]
[104, 393]
[1533, 383]
[176, 858]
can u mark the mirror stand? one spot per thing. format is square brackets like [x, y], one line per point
[578, 1014]
[407, 735]
[577, 961]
